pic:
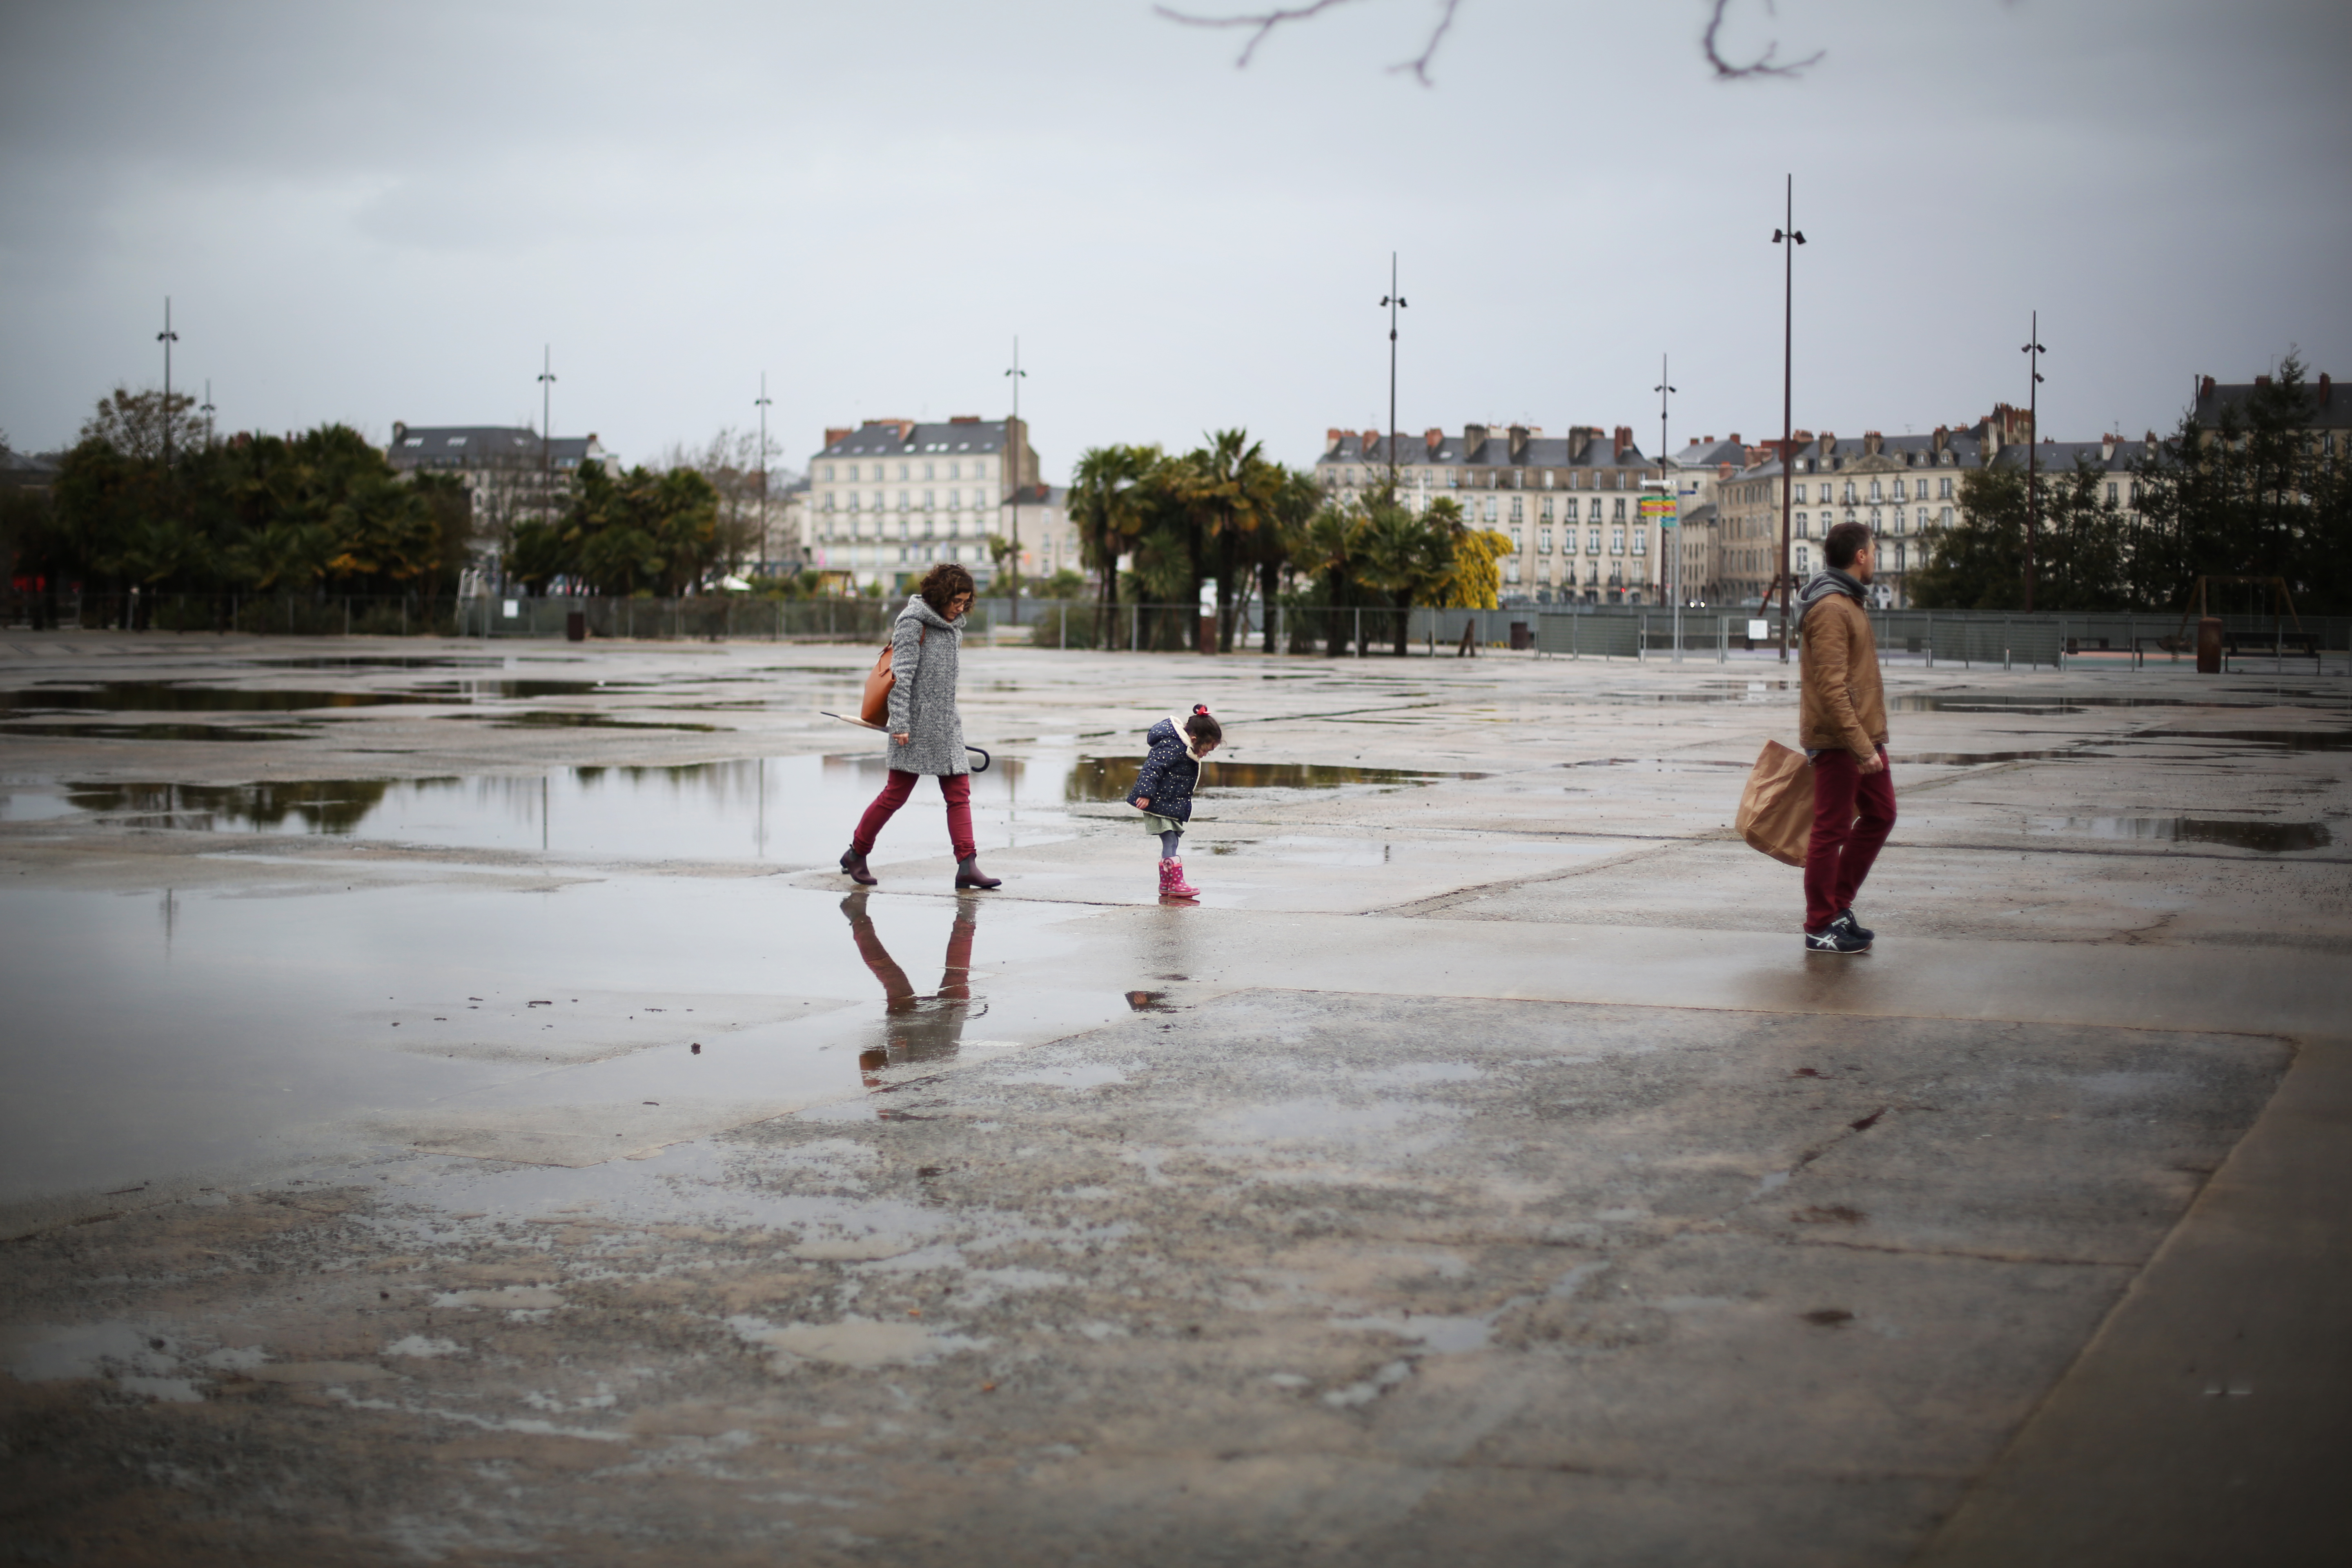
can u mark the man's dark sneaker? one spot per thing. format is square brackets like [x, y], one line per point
[1834, 938]
[1853, 926]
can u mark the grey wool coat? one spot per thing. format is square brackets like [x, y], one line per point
[923, 647]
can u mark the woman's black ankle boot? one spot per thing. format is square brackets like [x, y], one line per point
[969, 874]
[855, 864]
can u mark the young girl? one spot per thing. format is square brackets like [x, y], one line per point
[1163, 789]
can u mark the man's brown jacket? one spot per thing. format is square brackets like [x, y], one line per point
[1843, 703]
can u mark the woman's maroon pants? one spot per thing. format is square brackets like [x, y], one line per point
[956, 788]
[1853, 813]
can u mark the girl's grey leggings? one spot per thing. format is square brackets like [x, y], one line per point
[1168, 842]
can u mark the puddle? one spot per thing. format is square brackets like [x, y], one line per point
[156, 732]
[493, 691]
[793, 810]
[1973, 759]
[2265, 837]
[1110, 778]
[1989, 703]
[390, 661]
[163, 697]
[2292, 740]
[548, 720]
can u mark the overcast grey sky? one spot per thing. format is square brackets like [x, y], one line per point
[377, 212]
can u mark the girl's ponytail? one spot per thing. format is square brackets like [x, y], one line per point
[1201, 727]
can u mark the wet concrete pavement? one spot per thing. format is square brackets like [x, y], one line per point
[477, 1127]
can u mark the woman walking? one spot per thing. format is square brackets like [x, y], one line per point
[926, 736]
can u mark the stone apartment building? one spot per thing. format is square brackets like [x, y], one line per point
[889, 497]
[1570, 505]
[510, 474]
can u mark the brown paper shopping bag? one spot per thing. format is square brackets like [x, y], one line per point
[1776, 809]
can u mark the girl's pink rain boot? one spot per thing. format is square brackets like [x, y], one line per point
[1172, 881]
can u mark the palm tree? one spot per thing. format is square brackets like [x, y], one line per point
[1105, 504]
[1232, 489]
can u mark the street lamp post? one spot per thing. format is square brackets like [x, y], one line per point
[1665, 389]
[546, 430]
[762, 403]
[1788, 238]
[1392, 303]
[1012, 455]
[167, 337]
[2034, 351]
[207, 411]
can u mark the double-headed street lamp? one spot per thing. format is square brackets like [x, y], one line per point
[1012, 444]
[1392, 302]
[2034, 351]
[762, 403]
[1789, 237]
[167, 337]
[1670, 534]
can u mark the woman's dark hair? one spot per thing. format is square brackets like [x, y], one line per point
[1843, 543]
[1201, 727]
[943, 585]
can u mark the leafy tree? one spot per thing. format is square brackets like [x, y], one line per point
[642, 531]
[135, 422]
[1978, 563]
[1104, 505]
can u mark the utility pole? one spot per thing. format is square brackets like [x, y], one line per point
[2034, 351]
[762, 403]
[1788, 239]
[1392, 304]
[207, 411]
[1013, 444]
[167, 337]
[1670, 534]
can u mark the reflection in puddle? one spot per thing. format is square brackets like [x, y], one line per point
[547, 719]
[165, 697]
[157, 732]
[472, 691]
[792, 809]
[2265, 837]
[1972, 758]
[1110, 778]
[915, 1027]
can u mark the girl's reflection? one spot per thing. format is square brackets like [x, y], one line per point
[914, 1028]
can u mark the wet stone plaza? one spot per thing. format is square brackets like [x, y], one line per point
[457, 1112]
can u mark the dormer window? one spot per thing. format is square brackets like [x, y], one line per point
[414, 441]
[456, 440]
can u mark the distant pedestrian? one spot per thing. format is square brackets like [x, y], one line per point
[1163, 788]
[926, 735]
[1844, 731]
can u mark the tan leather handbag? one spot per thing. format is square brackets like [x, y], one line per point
[1776, 809]
[874, 706]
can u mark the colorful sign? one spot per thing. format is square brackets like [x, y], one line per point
[1663, 509]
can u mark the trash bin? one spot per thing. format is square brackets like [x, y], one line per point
[1523, 637]
[575, 626]
[2209, 645]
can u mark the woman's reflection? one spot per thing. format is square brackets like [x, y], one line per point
[914, 1028]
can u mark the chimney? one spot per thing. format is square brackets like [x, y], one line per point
[1829, 443]
[2107, 447]
[1435, 438]
[1331, 439]
[1625, 438]
[400, 426]
[1473, 437]
[1942, 438]
[1734, 437]
[1580, 441]
[2205, 390]
[2325, 386]
[1872, 442]
[1370, 445]
[1518, 442]
[963, 418]
[835, 434]
[2262, 381]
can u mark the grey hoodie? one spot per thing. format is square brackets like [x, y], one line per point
[1827, 581]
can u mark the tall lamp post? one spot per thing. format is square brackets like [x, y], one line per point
[1789, 237]
[1669, 524]
[167, 337]
[762, 403]
[1392, 303]
[207, 411]
[2034, 351]
[546, 430]
[1012, 444]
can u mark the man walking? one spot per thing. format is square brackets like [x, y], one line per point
[1844, 731]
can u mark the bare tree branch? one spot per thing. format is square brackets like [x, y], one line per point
[1261, 24]
[1762, 64]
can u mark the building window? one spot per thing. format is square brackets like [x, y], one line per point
[1944, 489]
[1923, 520]
[1592, 542]
[1619, 514]
[1511, 571]
[1570, 513]
[1490, 509]
[1799, 496]
[1616, 541]
[1518, 508]
[1804, 558]
[1804, 529]
[1849, 492]
[2111, 493]
[1946, 517]
[1546, 507]
[1543, 541]
[1641, 541]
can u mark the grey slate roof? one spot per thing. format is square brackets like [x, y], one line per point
[1493, 451]
[895, 436]
[2326, 406]
[482, 447]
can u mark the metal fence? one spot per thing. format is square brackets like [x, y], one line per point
[1961, 639]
